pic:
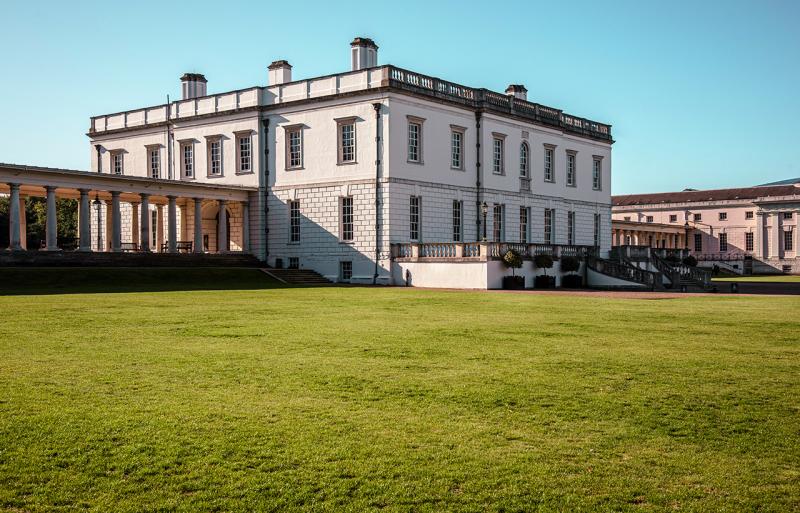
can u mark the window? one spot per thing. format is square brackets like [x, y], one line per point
[415, 140]
[549, 225]
[723, 242]
[294, 262]
[571, 169]
[649, 219]
[570, 227]
[524, 160]
[548, 164]
[457, 220]
[116, 163]
[698, 217]
[457, 148]
[244, 153]
[498, 154]
[346, 129]
[673, 218]
[187, 160]
[597, 173]
[345, 270]
[597, 229]
[788, 243]
[748, 214]
[723, 216]
[294, 221]
[748, 241]
[215, 156]
[294, 147]
[414, 217]
[346, 219]
[154, 161]
[787, 215]
[698, 242]
[524, 223]
[154, 230]
[497, 222]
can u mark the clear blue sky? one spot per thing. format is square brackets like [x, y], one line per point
[701, 94]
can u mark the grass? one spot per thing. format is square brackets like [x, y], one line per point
[769, 278]
[357, 399]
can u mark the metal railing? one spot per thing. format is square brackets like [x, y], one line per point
[623, 271]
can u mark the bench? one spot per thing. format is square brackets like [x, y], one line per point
[182, 246]
[129, 246]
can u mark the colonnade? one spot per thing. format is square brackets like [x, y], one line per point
[631, 237]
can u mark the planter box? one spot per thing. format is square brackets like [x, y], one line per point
[513, 282]
[572, 281]
[544, 282]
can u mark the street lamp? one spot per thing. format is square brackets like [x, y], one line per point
[97, 203]
[484, 211]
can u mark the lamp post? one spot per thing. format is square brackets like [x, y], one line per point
[97, 203]
[484, 211]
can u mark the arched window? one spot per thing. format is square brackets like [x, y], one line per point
[524, 161]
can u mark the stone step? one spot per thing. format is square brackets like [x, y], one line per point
[298, 276]
[101, 259]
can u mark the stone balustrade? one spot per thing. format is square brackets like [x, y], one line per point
[483, 251]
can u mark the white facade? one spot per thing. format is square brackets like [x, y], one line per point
[311, 177]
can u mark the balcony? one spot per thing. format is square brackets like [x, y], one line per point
[482, 251]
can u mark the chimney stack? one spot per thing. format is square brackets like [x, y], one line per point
[363, 53]
[518, 91]
[193, 85]
[280, 72]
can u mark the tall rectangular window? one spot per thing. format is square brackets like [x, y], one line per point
[116, 162]
[244, 153]
[498, 213]
[415, 140]
[571, 169]
[498, 155]
[187, 160]
[345, 270]
[154, 161]
[548, 164]
[457, 220]
[748, 241]
[570, 227]
[549, 225]
[524, 160]
[294, 221]
[597, 229]
[524, 223]
[457, 149]
[698, 242]
[294, 147]
[786, 215]
[414, 217]
[723, 242]
[597, 173]
[346, 218]
[215, 157]
[347, 140]
[788, 242]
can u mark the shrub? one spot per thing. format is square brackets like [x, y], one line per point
[672, 258]
[543, 262]
[570, 264]
[690, 261]
[513, 260]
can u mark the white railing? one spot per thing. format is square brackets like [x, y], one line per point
[456, 251]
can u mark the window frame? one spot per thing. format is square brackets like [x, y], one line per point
[288, 132]
[458, 221]
[723, 216]
[498, 165]
[571, 178]
[673, 218]
[342, 271]
[498, 222]
[524, 160]
[346, 227]
[294, 221]
[570, 227]
[549, 163]
[241, 136]
[114, 155]
[461, 132]
[597, 172]
[698, 242]
[153, 150]
[210, 141]
[697, 218]
[524, 225]
[749, 215]
[749, 242]
[419, 146]
[341, 123]
[415, 218]
[788, 240]
[723, 242]
[549, 226]
[182, 146]
[598, 221]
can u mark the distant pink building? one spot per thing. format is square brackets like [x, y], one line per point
[747, 230]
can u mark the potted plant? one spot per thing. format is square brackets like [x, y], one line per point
[544, 282]
[513, 260]
[690, 261]
[672, 259]
[570, 264]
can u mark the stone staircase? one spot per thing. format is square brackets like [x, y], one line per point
[297, 276]
[101, 259]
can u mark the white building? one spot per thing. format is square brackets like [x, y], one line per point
[342, 171]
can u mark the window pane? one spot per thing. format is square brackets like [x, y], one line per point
[414, 218]
[347, 218]
[348, 142]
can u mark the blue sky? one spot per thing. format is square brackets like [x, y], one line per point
[700, 94]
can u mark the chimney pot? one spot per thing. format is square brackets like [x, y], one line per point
[280, 72]
[363, 53]
[193, 85]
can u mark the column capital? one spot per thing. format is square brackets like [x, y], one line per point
[144, 195]
[115, 194]
[222, 201]
[171, 197]
[50, 188]
[14, 186]
[84, 191]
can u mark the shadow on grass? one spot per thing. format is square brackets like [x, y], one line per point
[15, 281]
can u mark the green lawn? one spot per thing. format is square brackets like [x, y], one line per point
[771, 278]
[353, 399]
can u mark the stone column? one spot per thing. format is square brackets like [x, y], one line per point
[222, 228]
[245, 226]
[172, 225]
[84, 222]
[159, 228]
[116, 223]
[51, 227]
[135, 223]
[144, 225]
[14, 219]
[198, 225]
[775, 240]
[23, 224]
[758, 236]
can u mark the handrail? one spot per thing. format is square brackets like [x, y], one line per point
[622, 271]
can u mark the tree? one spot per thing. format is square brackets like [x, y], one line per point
[690, 261]
[570, 264]
[543, 262]
[513, 260]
